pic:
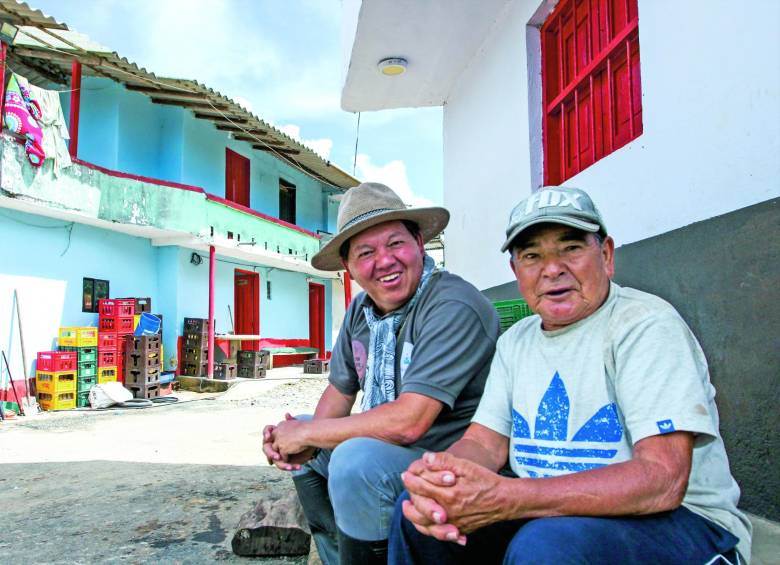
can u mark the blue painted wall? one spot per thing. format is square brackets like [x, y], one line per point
[125, 131]
[41, 247]
[34, 247]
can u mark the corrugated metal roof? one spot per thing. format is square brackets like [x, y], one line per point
[45, 49]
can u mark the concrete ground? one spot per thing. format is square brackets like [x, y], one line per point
[165, 484]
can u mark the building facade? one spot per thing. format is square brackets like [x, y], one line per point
[165, 176]
[665, 112]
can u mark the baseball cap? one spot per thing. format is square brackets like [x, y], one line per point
[557, 205]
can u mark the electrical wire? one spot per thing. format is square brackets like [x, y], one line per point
[357, 137]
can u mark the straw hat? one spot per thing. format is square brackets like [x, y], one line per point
[367, 205]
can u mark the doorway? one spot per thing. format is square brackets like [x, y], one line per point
[246, 302]
[317, 317]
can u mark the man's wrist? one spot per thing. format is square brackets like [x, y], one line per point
[510, 498]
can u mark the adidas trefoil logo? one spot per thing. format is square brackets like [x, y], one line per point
[551, 425]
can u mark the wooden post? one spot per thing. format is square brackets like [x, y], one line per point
[75, 107]
[212, 262]
[347, 289]
[3, 53]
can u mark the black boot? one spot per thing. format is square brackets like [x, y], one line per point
[360, 552]
[313, 493]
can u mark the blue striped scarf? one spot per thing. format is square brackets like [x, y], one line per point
[379, 383]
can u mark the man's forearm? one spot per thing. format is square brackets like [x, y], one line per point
[471, 449]
[635, 487]
[401, 422]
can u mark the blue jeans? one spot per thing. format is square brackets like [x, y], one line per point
[679, 536]
[353, 487]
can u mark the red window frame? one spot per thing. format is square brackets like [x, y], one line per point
[591, 88]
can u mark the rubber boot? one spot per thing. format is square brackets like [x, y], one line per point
[360, 552]
[313, 493]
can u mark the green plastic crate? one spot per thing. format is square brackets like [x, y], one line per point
[510, 311]
[87, 369]
[85, 353]
[82, 400]
[83, 384]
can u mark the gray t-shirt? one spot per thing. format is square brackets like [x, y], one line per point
[581, 397]
[444, 350]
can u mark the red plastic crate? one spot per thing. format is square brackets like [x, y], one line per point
[107, 358]
[107, 340]
[118, 324]
[116, 307]
[56, 361]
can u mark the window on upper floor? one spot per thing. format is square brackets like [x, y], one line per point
[592, 94]
[286, 201]
[236, 178]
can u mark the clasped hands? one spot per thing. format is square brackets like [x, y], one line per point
[283, 444]
[450, 497]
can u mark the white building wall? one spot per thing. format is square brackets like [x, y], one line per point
[711, 141]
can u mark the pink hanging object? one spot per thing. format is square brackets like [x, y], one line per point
[21, 115]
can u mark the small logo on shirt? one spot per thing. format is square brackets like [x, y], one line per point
[665, 426]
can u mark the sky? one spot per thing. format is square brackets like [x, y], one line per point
[282, 60]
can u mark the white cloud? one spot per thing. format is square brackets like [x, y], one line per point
[243, 102]
[321, 147]
[393, 174]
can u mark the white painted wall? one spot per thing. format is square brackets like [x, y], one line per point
[711, 141]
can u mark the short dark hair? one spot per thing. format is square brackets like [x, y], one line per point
[521, 238]
[411, 226]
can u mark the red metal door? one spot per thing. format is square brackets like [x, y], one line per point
[246, 299]
[317, 317]
[236, 178]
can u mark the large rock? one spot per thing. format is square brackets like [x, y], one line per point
[275, 526]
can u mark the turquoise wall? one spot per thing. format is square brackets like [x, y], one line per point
[123, 130]
[36, 246]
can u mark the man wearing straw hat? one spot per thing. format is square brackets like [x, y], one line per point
[418, 343]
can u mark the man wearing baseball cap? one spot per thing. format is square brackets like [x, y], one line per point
[603, 407]
[418, 344]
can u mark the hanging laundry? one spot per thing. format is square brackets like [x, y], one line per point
[55, 130]
[21, 116]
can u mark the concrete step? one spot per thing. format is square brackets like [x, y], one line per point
[766, 541]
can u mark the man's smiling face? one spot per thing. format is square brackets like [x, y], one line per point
[387, 262]
[563, 273]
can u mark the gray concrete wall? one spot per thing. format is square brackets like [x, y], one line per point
[723, 275]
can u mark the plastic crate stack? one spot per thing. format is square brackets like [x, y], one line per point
[83, 342]
[195, 352]
[142, 365]
[116, 323]
[252, 364]
[510, 311]
[56, 380]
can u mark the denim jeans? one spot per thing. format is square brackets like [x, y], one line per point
[679, 536]
[353, 487]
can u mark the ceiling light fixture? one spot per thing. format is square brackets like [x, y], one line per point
[392, 66]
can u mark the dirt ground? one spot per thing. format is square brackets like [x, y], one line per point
[166, 484]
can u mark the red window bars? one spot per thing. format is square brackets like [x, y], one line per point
[590, 81]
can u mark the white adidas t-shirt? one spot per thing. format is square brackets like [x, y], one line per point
[580, 397]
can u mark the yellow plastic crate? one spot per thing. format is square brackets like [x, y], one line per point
[106, 375]
[61, 381]
[57, 400]
[78, 337]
